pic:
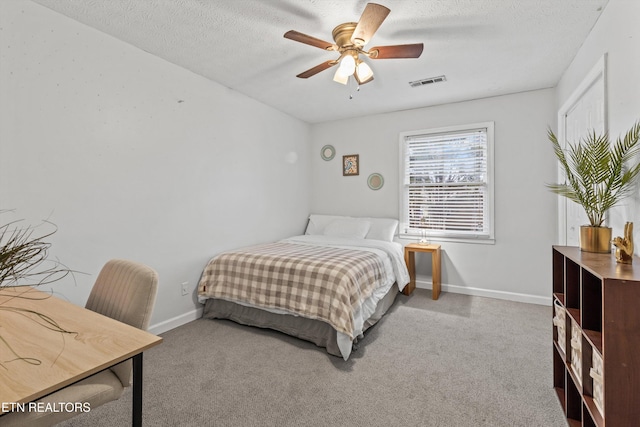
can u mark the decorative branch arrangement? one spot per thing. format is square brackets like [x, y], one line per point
[22, 256]
[23, 259]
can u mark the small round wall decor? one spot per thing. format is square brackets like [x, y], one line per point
[327, 152]
[375, 181]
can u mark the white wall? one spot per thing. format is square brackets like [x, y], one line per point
[136, 158]
[133, 157]
[616, 34]
[517, 266]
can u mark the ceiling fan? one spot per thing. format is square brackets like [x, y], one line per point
[350, 39]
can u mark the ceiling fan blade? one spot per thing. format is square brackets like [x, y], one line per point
[303, 38]
[371, 19]
[315, 70]
[397, 51]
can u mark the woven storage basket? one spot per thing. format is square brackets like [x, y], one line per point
[559, 320]
[576, 350]
[598, 385]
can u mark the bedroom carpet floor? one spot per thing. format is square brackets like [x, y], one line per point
[458, 361]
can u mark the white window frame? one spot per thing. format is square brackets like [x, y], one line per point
[439, 235]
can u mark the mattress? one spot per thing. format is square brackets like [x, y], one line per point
[333, 281]
[315, 331]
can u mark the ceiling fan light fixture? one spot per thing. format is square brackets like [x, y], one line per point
[347, 65]
[364, 73]
[346, 68]
[341, 77]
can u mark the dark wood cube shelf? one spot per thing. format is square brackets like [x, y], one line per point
[600, 299]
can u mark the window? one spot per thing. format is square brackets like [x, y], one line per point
[447, 183]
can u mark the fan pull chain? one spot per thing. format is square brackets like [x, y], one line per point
[349, 85]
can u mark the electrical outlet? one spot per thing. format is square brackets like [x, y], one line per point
[185, 288]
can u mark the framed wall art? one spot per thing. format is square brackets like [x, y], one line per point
[351, 165]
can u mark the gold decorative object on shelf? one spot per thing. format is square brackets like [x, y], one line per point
[624, 245]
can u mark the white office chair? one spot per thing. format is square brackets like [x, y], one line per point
[125, 291]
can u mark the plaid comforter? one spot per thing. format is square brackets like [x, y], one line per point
[317, 282]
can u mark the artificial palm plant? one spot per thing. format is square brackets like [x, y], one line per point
[598, 174]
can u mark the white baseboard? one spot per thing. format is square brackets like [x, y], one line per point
[510, 296]
[183, 319]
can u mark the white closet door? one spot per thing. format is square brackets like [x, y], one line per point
[585, 112]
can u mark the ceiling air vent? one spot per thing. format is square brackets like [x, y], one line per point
[430, 80]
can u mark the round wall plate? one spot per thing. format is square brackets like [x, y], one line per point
[327, 152]
[375, 181]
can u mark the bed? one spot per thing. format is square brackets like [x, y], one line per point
[327, 286]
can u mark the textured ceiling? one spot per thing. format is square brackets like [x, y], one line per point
[484, 47]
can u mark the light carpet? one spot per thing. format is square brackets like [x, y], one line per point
[458, 361]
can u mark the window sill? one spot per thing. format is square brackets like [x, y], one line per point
[409, 238]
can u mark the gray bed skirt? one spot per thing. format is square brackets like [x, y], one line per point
[316, 331]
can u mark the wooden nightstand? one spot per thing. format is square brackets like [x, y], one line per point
[410, 258]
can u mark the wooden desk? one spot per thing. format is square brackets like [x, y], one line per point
[409, 257]
[98, 342]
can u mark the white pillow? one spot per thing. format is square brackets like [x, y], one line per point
[382, 229]
[347, 227]
[317, 223]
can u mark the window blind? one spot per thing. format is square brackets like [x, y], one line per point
[446, 183]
